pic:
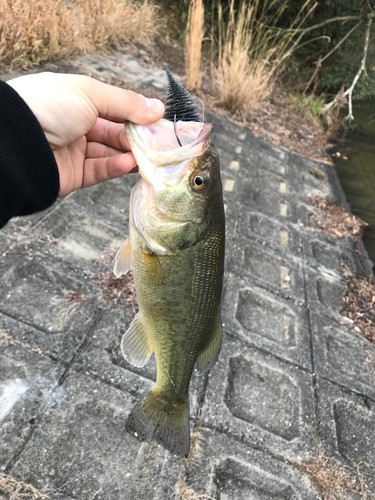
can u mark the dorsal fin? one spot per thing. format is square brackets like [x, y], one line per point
[179, 102]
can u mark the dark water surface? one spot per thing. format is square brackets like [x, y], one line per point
[357, 173]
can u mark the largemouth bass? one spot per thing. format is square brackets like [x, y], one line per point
[176, 250]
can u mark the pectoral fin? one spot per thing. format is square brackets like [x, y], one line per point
[208, 356]
[135, 345]
[123, 259]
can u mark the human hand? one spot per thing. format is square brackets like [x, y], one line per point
[83, 120]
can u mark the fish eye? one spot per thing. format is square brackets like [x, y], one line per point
[200, 181]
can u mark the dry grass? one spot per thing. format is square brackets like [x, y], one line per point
[331, 478]
[5, 336]
[34, 31]
[18, 490]
[359, 303]
[185, 492]
[193, 44]
[252, 53]
[335, 221]
[119, 289]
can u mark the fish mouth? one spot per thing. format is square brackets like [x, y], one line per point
[160, 144]
[155, 146]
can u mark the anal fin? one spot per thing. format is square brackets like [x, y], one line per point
[208, 356]
[135, 345]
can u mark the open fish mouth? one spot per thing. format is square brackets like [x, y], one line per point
[155, 146]
[184, 139]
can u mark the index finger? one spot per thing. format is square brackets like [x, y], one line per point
[109, 133]
[119, 105]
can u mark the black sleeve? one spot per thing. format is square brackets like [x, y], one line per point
[29, 177]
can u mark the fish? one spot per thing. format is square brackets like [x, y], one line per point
[175, 249]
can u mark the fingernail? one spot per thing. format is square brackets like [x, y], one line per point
[154, 106]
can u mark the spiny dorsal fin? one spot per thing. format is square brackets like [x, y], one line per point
[179, 102]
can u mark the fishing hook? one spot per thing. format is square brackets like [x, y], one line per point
[175, 130]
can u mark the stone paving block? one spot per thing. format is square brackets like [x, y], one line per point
[324, 291]
[276, 166]
[267, 321]
[83, 237]
[102, 358]
[108, 202]
[18, 226]
[306, 184]
[232, 187]
[80, 445]
[263, 145]
[303, 169]
[265, 402]
[156, 474]
[241, 154]
[27, 383]
[304, 164]
[343, 356]
[229, 470]
[35, 290]
[4, 242]
[232, 213]
[236, 169]
[271, 183]
[305, 211]
[265, 267]
[225, 129]
[226, 142]
[284, 238]
[277, 205]
[324, 254]
[347, 426]
[56, 496]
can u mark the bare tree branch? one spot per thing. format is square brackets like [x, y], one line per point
[349, 91]
[343, 19]
[362, 68]
[322, 59]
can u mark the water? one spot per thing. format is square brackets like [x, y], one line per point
[357, 173]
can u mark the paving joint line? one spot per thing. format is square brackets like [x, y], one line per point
[80, 348]
[309, 326]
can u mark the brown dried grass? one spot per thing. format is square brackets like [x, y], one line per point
[331, 478]
[335, 221]
[18, 490]
[34, 31]
[252, 52]
[185, 492]
[119, 289]
[193, 44]
[359, 302]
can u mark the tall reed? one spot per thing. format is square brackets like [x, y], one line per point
[193, 44]
[252, 53]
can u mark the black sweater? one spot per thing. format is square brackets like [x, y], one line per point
[29, 177]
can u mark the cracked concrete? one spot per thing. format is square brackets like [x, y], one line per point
[291, 381]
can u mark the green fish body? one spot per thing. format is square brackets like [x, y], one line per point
[176, 251]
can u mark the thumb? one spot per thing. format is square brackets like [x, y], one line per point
[119, 105]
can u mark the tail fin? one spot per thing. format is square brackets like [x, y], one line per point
[152, 419]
